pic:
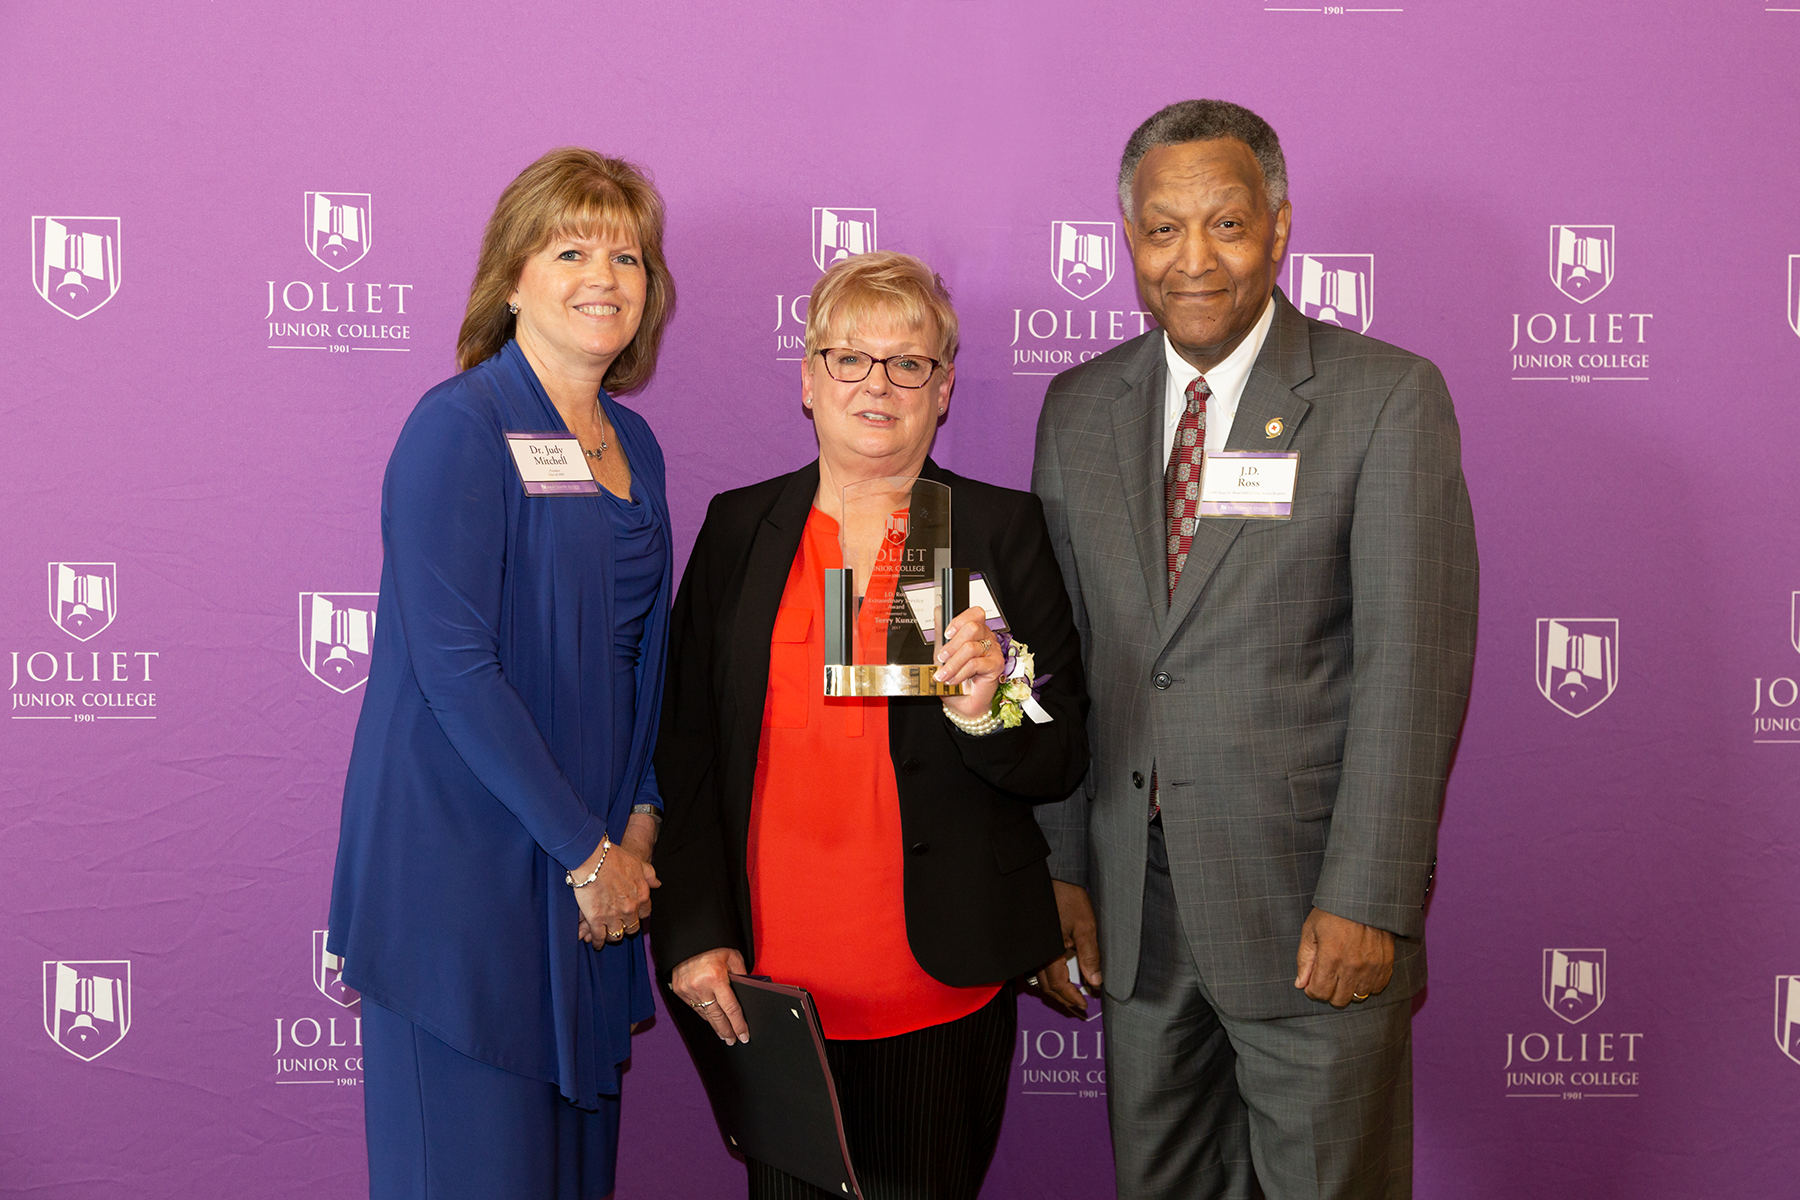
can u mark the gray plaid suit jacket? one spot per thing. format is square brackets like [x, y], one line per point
[1301, 697]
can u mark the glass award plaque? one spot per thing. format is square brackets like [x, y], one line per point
[883, 614]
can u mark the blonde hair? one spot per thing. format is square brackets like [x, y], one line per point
[569, 191]
[865, 287]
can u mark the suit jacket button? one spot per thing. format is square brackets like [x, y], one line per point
[921, 847]
[1163, 681]
[910, 767]
[1137, 779]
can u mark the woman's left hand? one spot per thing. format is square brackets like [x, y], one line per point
[971, 654]
[614, 909]
[640, 839]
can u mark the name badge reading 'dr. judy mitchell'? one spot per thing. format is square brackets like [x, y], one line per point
[1248, 483]
[550, 464]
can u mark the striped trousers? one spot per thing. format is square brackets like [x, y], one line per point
[921, 1110]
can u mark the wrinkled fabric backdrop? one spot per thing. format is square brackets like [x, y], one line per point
[237, 242]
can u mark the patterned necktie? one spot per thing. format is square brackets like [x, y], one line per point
[1181, 499]
[1181, 485]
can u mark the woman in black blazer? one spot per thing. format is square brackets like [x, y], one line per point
[880, 852]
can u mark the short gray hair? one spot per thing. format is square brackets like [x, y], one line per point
[1202, 121]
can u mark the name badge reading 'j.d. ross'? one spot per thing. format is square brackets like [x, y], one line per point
[551, 464]
[1248, 483]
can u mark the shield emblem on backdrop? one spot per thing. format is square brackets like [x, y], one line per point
[1574, 983]
[837, 233]
[1081, 255]
[1581, 260]
[338, 232]
[1338, 289]
[84, 597]
[337, 633]
[75, 262]
[1787, 1015]
[87, 1005]
[1577, 661]
[328, 973]
[1794, 621]
[1793, 307]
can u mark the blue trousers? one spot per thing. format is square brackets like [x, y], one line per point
[443, 1126]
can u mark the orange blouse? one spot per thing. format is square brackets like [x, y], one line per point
[827, 876]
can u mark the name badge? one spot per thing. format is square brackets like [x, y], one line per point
[551, 464]
[1249, 483]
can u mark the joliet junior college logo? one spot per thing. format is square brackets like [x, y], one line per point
[87, 1006]
[75, 262]
[838, 233]
[337, 631]
[1081, 255]
[1787, 1015]
[1581, 260]
[1577, 661]
[328, 973]
[1338, 289]
[84, 597]
[337, 227]
[1574, 983]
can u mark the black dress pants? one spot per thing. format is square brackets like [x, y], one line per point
[921, 1110]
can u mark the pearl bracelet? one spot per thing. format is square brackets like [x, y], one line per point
[976, 727]
[605, 847]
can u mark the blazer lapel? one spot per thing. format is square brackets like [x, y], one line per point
[774, 543]
[1269, 397]
[1137, 417]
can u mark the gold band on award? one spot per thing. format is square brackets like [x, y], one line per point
[886, 679]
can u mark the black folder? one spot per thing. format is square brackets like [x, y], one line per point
[773, 1096]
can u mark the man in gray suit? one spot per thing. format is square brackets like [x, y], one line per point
[1275, 702]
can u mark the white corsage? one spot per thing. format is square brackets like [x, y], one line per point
[1017, 696]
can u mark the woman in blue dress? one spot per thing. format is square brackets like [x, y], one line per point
[500, 809]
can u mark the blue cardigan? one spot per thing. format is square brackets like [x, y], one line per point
[481, 767]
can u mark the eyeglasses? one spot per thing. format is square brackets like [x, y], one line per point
[903, 370]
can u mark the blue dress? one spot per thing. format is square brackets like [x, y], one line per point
[512, 702]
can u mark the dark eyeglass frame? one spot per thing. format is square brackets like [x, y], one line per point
[882, 362]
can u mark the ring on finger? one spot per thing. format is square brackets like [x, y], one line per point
[705, 1004]
[1359, 997]
[987, 644]
[1032, 980]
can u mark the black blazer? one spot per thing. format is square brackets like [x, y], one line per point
[979, 906]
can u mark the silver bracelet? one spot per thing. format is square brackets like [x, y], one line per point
[976, 727]
[649, 809]
[605, 848]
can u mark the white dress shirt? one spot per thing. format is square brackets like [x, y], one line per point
[1226, 381]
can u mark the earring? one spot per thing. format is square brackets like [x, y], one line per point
[513, 309]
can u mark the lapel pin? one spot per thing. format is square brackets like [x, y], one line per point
[1273, 429]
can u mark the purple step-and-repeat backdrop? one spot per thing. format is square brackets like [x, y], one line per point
[236, 249]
